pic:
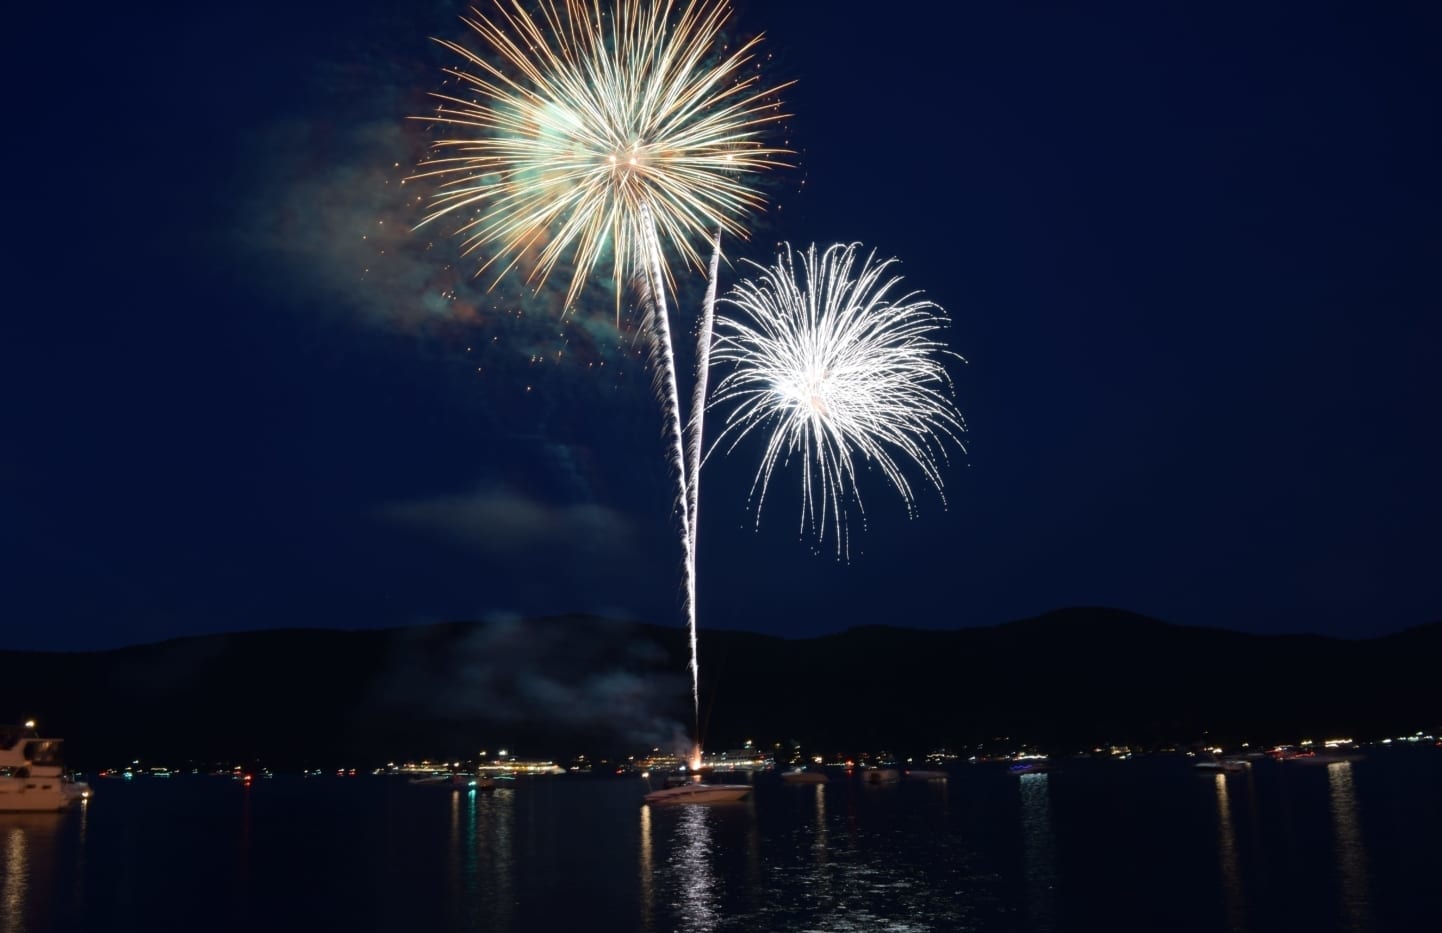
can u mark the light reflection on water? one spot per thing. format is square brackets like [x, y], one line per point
[690, 873]
[691, 857]
[79, 895]
[480, 862]
[1039, 849]
[1227, 855]
[28, 854]
[647, 880]
[819, 844]
[13, 888]
[1351, 853]
[1093, 845]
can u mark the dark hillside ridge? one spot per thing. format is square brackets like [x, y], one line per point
[563, 686]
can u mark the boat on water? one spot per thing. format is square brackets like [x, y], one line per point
[1033, 766]
[32, 774]
[881, 775]
[1331, 752]
[697, 792]
[1325, 758]
[925, 774]
[798, 776]
[455, 782]
[1224, 765]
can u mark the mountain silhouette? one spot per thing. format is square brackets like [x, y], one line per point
[562, 686]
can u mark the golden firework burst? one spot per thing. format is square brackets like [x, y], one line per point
[585, 130]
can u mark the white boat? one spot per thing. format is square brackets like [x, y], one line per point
[700, 793]
[799, 776]
[1213, 763]
[1325, 758]
[32, 776]
[923, 774]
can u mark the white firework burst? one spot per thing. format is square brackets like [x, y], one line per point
[840, 373]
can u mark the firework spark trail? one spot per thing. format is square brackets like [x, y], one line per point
[693, 454]
[837, 369]
[590, 131]
[654, 295]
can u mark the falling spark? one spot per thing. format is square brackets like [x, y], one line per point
[837, 370]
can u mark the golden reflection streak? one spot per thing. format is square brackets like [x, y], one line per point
[648, 882]
[1351, 852]
[15, 889]
[1227, 855]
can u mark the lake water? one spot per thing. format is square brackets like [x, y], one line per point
[1145, 844]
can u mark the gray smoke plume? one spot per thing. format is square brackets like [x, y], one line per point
[596, 679]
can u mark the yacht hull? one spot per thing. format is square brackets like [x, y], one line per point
[700, 793]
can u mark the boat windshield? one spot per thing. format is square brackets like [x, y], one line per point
[43, 751]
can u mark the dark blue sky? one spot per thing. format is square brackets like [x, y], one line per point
[1192, 254]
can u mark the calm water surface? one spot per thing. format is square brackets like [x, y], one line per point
[1145, 844]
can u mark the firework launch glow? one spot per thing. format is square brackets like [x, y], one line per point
[836, 369]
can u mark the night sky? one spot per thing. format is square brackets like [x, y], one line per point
[1192, 254]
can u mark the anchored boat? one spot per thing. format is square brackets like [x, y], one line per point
[32, 774]
[697, 792]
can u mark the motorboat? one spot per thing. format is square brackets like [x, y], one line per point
[32, 776]
[798, 776]
[1326, 758]
[1332, 751]
[1224, 765]
[700, 793]
[881, 775]
[925, 774]
[455, 782]
[1030, 766]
